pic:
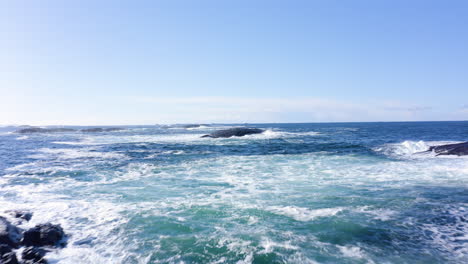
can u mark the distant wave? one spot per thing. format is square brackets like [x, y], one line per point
[75, 154]
[272, 134]
[178, 138]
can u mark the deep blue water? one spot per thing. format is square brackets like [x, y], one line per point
[298, 193]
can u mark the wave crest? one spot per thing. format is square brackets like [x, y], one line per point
[409, 148]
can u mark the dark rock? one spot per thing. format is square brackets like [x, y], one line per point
[53, 130]
[180, 126]
[31, 130]
[112, 129]
[6, 255]
[458, 149]
[9, 234]
[43, 235]
[100, 129]
[21, 214]
[9, 258]
[34, 255]
[43, 130]
[92, 130]
[194, 125]
[234, 132]
[4, 248]
[191, 126]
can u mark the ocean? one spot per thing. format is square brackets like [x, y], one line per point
[297, 193]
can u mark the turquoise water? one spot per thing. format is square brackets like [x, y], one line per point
[298, 193]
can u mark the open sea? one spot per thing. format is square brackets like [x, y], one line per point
[297, 193]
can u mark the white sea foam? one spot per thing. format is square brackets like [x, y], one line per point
[180, 138]
[351, 251]
[116, 139]
[99, 210]
[451, 237]
[45, 153]
[272, 134]
[269, 245]
[304, 214]
[199, 128]
[94, 221]
[381, 214]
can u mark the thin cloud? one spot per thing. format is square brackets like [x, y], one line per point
[249, 109]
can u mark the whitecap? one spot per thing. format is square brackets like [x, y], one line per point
[351, 251]
[304, 214]
[114, 139]
[381, 214]
[45, 153]
[410, 149]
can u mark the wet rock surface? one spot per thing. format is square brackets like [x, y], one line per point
[36, 241]
[34, 255]
[9, 234]
[459, 149]
[43, 235]
[9, 258]
[234, 132]
[25, 215]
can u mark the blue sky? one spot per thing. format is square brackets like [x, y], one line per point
[147, 62]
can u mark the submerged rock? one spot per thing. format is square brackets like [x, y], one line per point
[234, 132]
[34, 255]
[9, 234]
[43, 235]
[458, 149]
[26, 215]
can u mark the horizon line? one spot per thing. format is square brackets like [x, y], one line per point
[240, 123]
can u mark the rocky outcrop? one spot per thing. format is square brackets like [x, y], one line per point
[100, 129]
[459, 149]
[234, 132]
[43, 235]
[30, 130]
[43, 130]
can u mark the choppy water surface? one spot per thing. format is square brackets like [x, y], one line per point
[298, 193]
